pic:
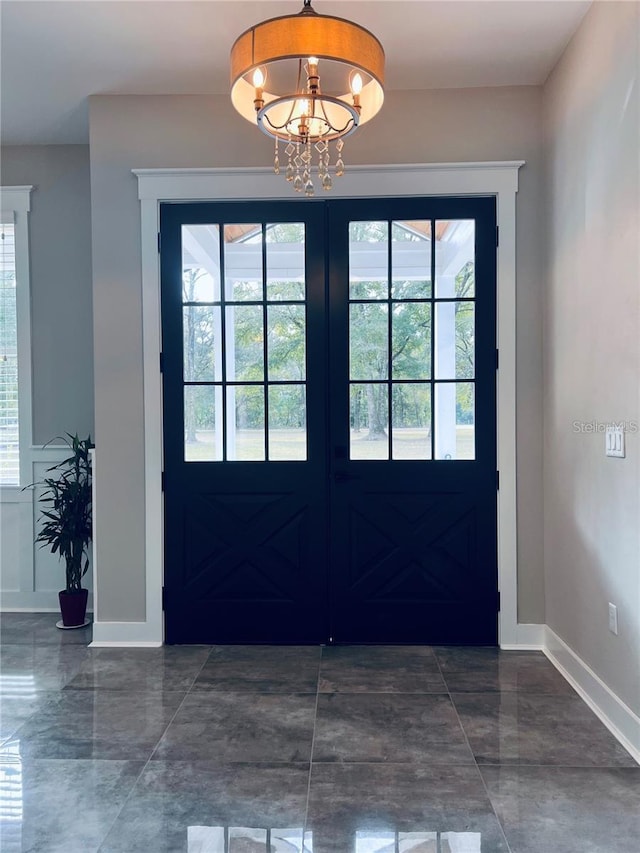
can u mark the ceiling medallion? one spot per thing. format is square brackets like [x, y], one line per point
[276, 72]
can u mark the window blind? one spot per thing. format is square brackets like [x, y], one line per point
[9, 446]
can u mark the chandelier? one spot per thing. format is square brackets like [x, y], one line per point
[276, 72]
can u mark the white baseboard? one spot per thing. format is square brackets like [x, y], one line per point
[621, 721]
[133, 634]
[529, 637]
[40, 601]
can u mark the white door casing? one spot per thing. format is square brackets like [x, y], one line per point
[499, 179]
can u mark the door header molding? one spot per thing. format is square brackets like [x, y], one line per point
[499, 179]
[491, 178]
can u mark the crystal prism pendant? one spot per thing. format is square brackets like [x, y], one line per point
[289, 172]
[297, 183]
[327, 183]
[276, 165]
[340, 167]
[339, 145]
[308, 188]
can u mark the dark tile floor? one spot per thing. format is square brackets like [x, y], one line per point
[292, 750]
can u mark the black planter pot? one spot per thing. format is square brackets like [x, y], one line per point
[73, 607]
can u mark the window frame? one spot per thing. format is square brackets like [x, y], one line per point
[15, 204]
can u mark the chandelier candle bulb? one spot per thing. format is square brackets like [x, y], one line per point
[313, 80]
[356, 89]
[258, 82]
[290, 48]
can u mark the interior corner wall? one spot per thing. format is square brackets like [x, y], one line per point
[592, 345]
[128, 132]
[61, 292]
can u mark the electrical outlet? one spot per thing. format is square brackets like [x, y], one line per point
[613, 618]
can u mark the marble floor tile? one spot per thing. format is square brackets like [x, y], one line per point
[458, 658]
[177, 804]
[483, 670]
[184, 749]
[380, 669]
[40, 629]
[572, 810]
[170, 668]
[521, 728]
[99, 724]
[27, 667]
[243, 727]
[353, 806]
[17, 707]
[261, 669]
[65, 806]
[393, 727]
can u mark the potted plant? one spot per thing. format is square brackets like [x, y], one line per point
[66, 524]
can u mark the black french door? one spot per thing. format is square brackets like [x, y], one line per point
[329, 421]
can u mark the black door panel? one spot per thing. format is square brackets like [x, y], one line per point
[383, 527]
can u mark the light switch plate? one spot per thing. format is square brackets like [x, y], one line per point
[614, 441]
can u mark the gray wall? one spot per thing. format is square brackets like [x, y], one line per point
[592, 334]
[61, 293]
[198, 131]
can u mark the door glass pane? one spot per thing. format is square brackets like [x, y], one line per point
[411, 435]
[226, 344]
[285, 261]
[411, 354]
[455, 420]
[369, 417]
[287, 423]
[369, 340]
[202, 357]
[203, 423]
[245, 344]
[286, 328]
[455, 257]
[368, 260]
[200, 263]
[245, 423]
[243, 262]
[411, 259]
[455, 340]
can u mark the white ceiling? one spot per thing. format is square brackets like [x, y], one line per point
[54, 53]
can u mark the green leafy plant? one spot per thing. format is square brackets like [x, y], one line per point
[66, 516]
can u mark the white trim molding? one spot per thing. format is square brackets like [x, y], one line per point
[499, 179]
[130, 634]
[529, 637]
[621, 721]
